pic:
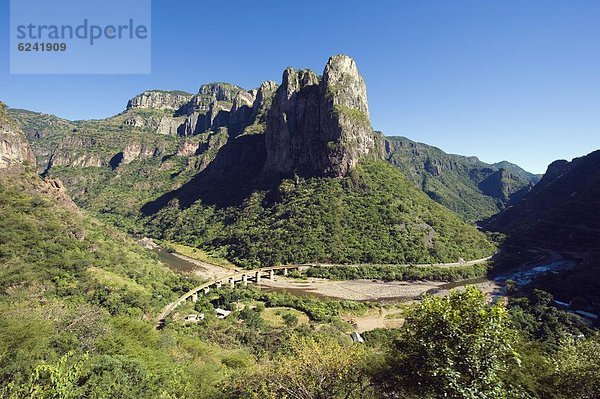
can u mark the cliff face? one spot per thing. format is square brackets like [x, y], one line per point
[15, 152]
[156, 99]
[14, 149]
[320, 127]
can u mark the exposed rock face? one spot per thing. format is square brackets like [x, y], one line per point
[76, 160]
[555, 169]
[207, 95]
[264, 97]
[75, 151]
[241, 111]
[217, 116]
[56, 189]
[211, 108]
[166, 125]
[135, 151]
[156, 99]
[14, 149]
[320, 127]
[504, 186]
[188, 148]
[15, 152]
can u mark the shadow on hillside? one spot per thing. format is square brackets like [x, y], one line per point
[228, 180]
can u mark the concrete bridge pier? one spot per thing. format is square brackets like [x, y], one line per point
[271, 274]
[245, 280]
[232, 282]
[219, 284]
[206, 290]
[285, 271]
[195, 297]
[257, 277]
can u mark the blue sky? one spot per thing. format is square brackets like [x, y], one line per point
[502, 80]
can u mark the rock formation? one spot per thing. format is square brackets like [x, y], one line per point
[14, 149]
[15, 153]
[157, 99]
[320, 127]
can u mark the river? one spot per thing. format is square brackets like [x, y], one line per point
[175, 263]
[373, 290]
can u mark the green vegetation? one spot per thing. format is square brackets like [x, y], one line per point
[373, 216]
[317, 309]
[77, 300]
[538, 320]
[308, 367]
[74, 255]
[576, 369]
[175, 92]
[561, 211]
[463, 184]
[580, 286]
[453, 347]
[116, 194]
[255, 128]
[354, 114]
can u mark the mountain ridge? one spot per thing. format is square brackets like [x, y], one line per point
[258, 152]
[560, 212]
[464, 184]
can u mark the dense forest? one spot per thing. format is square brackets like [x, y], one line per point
[375, 215]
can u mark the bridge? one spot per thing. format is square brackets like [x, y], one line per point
[244, 278]
[256, 275]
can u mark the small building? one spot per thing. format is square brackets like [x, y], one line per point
[222, 313]
[194, 318]
[356, 337]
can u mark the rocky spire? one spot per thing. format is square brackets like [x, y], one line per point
[320, 127]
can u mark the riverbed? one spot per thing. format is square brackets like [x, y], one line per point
[368, 290]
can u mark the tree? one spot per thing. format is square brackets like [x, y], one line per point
[453, 347]
[309, 368]
[50, 380]
[576, 369]
[290, 319]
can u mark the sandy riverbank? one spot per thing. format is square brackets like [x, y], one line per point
[356, 290]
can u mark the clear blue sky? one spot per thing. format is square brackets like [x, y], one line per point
[503, 80]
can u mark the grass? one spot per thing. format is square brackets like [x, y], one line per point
[274, 316]
[354, 114]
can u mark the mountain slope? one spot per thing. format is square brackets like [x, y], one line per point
[473, 189]
[561, 211]
[171, 159]
[338, 201]
[374, 215]
[78, 301]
